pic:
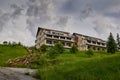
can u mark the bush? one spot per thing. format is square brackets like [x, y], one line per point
[43, 48]
[52, 53]
[59, 48]
[5, 42]
[39, 61]
[89, 52]
[73, 49]
[55, 50]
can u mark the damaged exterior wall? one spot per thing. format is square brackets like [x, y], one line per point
[84, 42]
[49, 37]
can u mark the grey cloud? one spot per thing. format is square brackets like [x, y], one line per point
[31, 26]
[62, 21]
[17, 11]
[113, 14]
[38, 13]
[38, 8]
[76, 7]
[43, 12]
[4, 18]
[62, 14]
[104, 25]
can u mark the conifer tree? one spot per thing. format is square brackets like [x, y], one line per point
[118, 40]
[111, 45]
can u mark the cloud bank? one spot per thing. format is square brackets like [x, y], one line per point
[19, 20]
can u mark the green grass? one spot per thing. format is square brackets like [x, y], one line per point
[101, 66]
[10, 52]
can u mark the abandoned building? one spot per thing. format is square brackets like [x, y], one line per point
[84, 42]
[49, 37]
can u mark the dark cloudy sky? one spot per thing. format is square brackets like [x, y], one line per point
[19, 19]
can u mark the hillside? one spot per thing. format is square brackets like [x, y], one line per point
[68, 66]
[101, 66]
[11, 52]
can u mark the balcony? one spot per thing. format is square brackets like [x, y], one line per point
[59, 34]
[96, 44]
[60, 38]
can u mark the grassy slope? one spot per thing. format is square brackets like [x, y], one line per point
[80, 67]
[11, 52]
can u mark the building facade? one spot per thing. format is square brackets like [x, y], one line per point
[84, 42]
[49, 37]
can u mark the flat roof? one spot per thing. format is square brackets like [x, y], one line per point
[40, 28]
[89, 36]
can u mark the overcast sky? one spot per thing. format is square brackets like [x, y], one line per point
[19, 19]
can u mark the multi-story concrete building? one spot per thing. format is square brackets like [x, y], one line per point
[49, 37]
[84, 42]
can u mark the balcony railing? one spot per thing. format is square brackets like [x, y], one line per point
[95, 44]
[59, 38]
[59, 35]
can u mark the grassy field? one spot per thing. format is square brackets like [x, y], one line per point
[10, 52]
[68, 66]
[100, 66]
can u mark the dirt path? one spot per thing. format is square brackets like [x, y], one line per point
[15, 74]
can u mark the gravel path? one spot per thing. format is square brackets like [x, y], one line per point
[15, 74]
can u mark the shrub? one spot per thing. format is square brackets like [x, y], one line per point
[73, 49]
[43, 48]
[89, 52]
[39, 61]
[5, 42]
[59, 48]
[55, 50]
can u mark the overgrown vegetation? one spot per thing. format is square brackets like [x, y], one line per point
[73, 49]
[89, 52]
[56, 50]
[11, 52]
[57, 63]
[43, 48]
[100, 66]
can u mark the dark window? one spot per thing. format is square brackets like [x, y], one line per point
[98, 43]
[68, 38]
[103, 44]
[68, 44]
[50, 36]
[62, 37]
[56, 36]
[63, 43]
[88, 41]
[94, 42]
[49, 42]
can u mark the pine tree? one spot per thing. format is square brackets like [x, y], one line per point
[118, 39]
[111, 45]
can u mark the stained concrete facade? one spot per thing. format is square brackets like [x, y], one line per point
[49, 37]
[84, 42]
